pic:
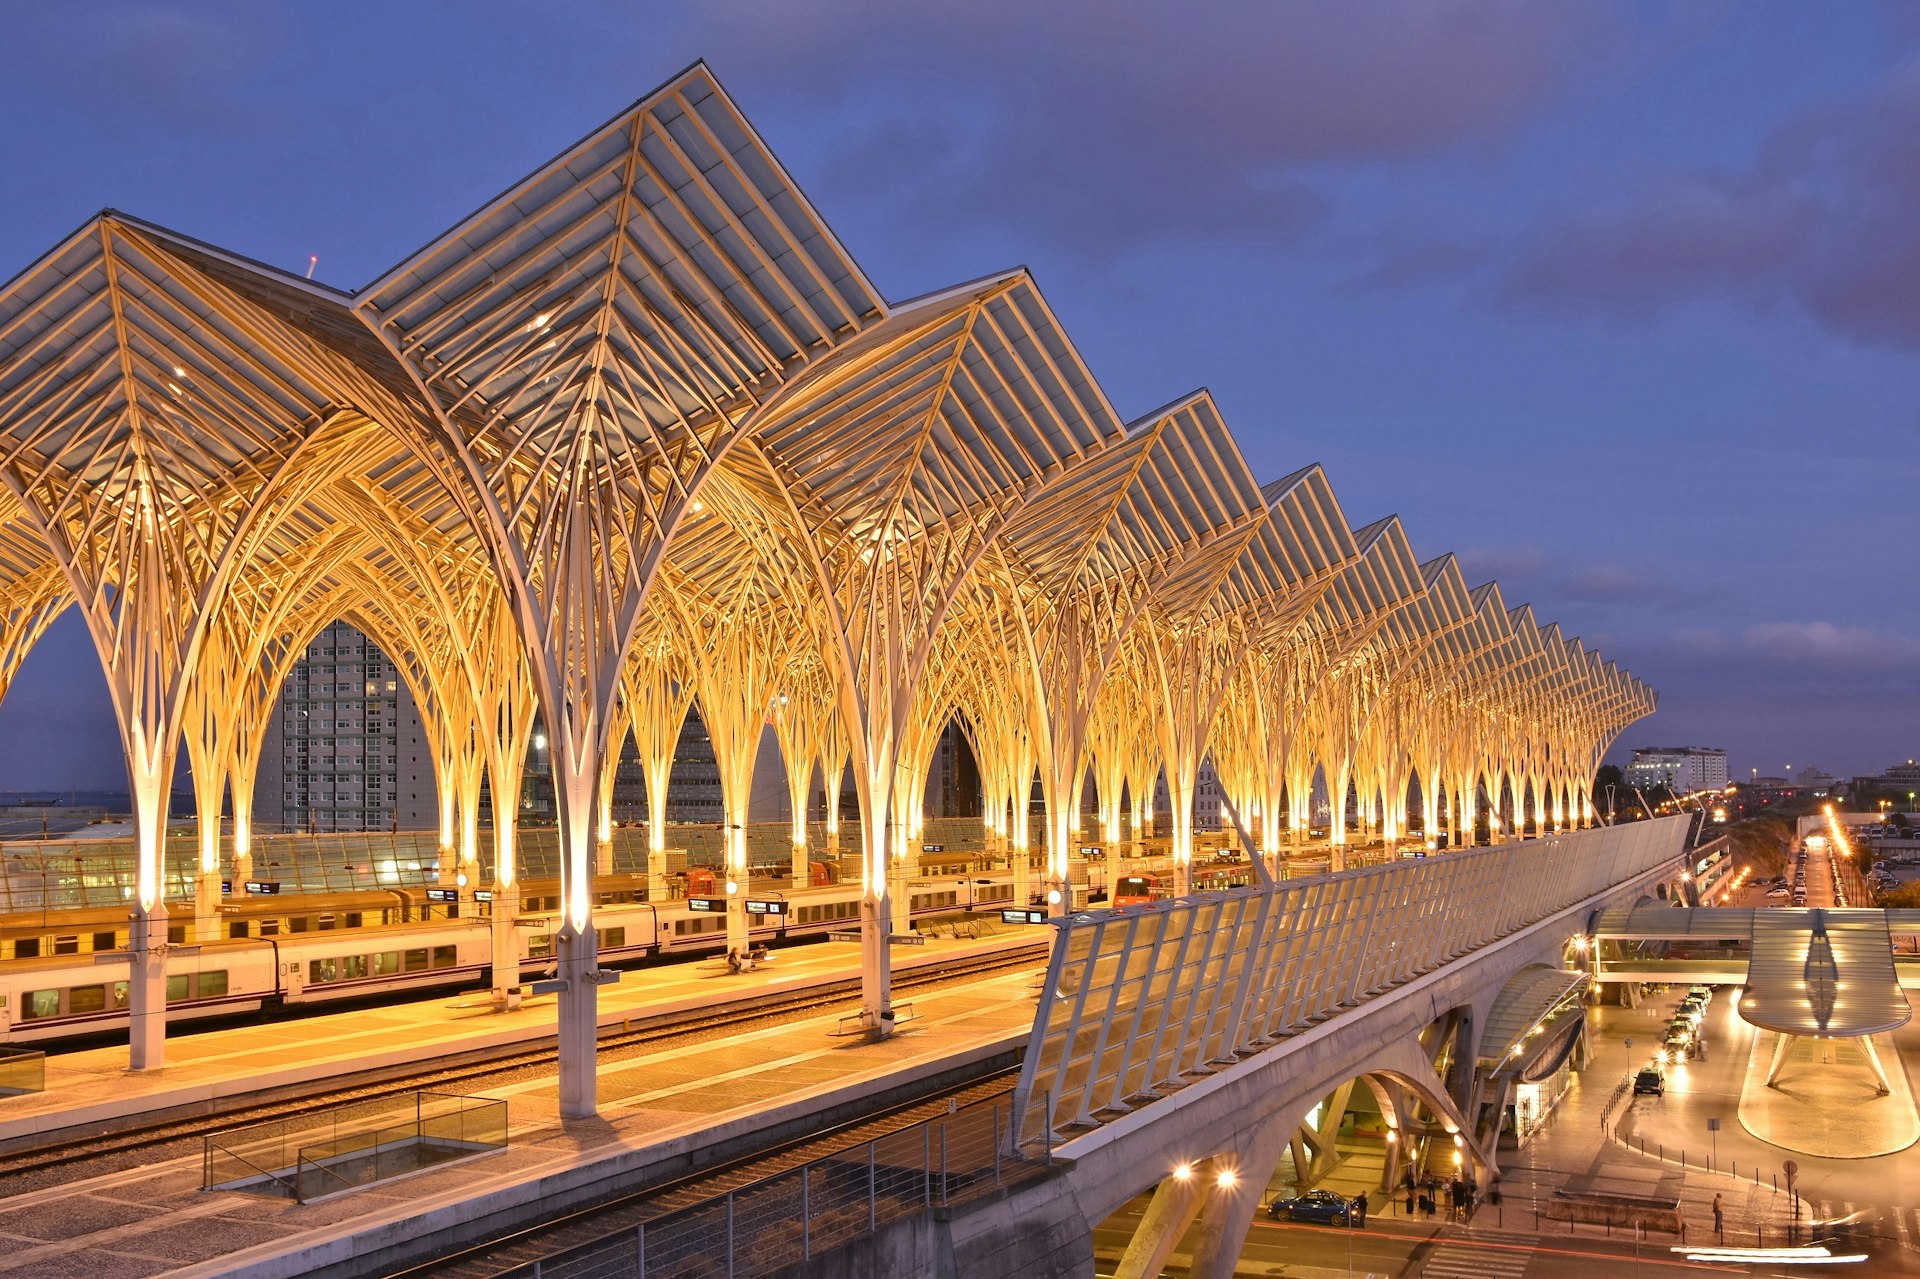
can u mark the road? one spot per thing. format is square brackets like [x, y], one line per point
[1393, 1247]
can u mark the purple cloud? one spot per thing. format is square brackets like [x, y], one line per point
[1690, 237]
[1104, 125]
[1806, 645]
[1828, 218]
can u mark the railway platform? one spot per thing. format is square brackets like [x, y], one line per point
[210, 1070]
[662, 1113]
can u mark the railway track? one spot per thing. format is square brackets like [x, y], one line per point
[618, 1216]
[37, 1162]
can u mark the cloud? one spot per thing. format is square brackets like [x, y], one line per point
[1826, 218]
[1689, 237]
[1505, 563]
[1806, 646]
[1432, 262]
[1103, 125]
[180, 68]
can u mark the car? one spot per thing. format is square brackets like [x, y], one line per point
[1649, 1082]
[1779, 892]
[1315, 1205]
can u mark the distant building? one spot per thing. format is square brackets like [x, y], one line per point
[1820, 782]
[1680, 768]
[345, 748]
[1894, 785]
[346, 751]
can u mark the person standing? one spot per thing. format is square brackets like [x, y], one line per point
[1359, 1209]
[1719, 1221]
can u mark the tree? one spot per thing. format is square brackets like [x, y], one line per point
[1902, 896]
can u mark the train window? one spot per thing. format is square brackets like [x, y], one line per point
[39, 1003]
[105, 941]
[27, 948]
[176, 934]
[386, 963]
[297, 924]
[353, 919]
[177, 988]
[322, 970]
[211, 984]
[416, 960]
[612, 937]
[269, 928]
[352, 966]
[324, 922]
[87, 999]
[238, 928]
[69, 945]
[540, 945]
[445, 956]
[120, 996]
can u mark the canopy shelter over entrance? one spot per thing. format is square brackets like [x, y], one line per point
[1533, 999]
[640, 433]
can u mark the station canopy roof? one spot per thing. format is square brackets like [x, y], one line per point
[659, 324]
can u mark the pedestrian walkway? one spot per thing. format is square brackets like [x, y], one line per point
[662, 1113]
[1584, 1145]
[95, 1086]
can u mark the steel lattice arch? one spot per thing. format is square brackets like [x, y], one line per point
[640, 432]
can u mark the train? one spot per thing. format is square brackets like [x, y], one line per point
[331, 949]
[84, 931]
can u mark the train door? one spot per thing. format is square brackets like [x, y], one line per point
[292, 980]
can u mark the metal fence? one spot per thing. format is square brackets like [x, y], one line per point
[1141, 1001]
[793, 1216]
[352, 1145]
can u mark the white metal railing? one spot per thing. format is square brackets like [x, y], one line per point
[1139, 1002]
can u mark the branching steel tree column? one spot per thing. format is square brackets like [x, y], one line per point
[657, 696]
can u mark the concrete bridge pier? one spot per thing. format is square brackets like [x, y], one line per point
[1229, 1210]
[1175, 1203]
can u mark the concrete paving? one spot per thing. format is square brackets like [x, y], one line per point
[1827, 1101]
[659, 1111]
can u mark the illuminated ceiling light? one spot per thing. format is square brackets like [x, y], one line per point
[1227, 1178]
[1183, 1172]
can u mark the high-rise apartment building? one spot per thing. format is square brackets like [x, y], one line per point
[345, 749]
[1681, 768]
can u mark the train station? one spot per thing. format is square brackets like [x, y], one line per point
[638, 436]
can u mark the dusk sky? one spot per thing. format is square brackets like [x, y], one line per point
[1619, 301]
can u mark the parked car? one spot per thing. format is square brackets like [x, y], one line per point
[1649, 1082]
[1315, 1205]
